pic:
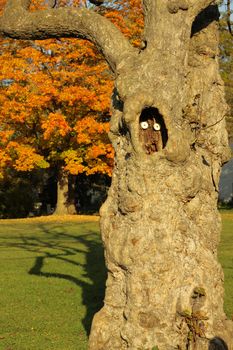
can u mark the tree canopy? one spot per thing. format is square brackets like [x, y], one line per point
[55, 98]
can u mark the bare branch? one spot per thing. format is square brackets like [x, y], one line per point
[52, 3]
[229, 16]
[17, 22]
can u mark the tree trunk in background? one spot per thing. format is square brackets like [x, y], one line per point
[160, 223]
[65, 203]
[71, 195]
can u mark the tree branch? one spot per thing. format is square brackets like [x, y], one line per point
[229, 16]
[17, 22]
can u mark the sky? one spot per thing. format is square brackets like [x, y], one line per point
[223, 7]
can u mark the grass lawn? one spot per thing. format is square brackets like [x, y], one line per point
[52, 279]
[226, 259]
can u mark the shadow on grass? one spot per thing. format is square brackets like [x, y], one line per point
[72, 249]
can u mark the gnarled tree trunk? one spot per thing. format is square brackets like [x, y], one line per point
[160, 223]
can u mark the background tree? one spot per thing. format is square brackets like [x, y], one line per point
[55, 105]
[51, 113]
[160, 223]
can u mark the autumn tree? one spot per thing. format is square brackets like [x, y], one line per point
[160, 223]
[55, 104]
[52, 114]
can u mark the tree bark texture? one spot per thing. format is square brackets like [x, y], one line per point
[160, 225]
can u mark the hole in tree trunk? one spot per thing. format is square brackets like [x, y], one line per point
[204, 18]
[152, 130]
[217, 344]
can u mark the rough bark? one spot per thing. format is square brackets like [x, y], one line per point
[160, 223]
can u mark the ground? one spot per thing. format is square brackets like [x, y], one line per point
[52, 280]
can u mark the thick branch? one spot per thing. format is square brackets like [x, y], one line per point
[19, 23]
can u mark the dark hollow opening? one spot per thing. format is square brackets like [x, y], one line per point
[217, 344]
[204, 18]
[152, 130]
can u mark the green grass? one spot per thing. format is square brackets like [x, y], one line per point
[52, 279]
[226, 259]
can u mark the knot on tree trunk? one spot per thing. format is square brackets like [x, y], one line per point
[175, 6]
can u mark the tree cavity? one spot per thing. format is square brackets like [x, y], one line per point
[152, 130]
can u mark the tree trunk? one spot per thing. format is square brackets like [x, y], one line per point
[71, 195]
[160, 223]
[65, 203]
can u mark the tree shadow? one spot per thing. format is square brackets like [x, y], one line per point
[57, 245]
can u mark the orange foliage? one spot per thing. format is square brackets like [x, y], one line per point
[55, 125]
[52, 97]
[128, 17]
[55, 97]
